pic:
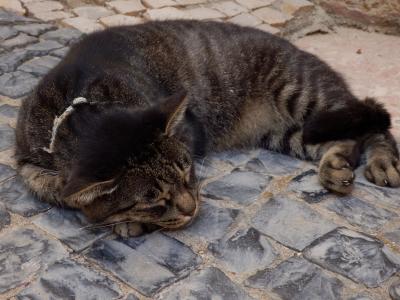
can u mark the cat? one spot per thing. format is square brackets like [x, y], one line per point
[115, 127]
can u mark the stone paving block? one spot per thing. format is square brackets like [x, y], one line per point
[48, 16]
[272, 16]
[244, 251]
[129, 7]
[253, 4]
[20, 40]
[190, 2]
[43, 6]
[360, 213]
[83, 24]
[166, 251]
[360, 297]
[165, 13]
[297, 279]
[210, 283]
[203, 13]
[24, 253]
[301, 224]
[4, 217]
[136, 269]
[65, 36]
[66, 279]
[243, 187]
[233, 157]
[393, 235]
[60, 52]
[212, 222]
[39, 66]
[17, 84]
[7, 32]
[158, 3]
[12, 5]
[292, 7]
[131, 297]
[43, 48]
[9, 61]
[15, 196]
[70, 227]
[6, 172]
[34, 29]
[307, 187]
[229, 8]
[276, 164]
[359, 257]
[6, 136]
[245, 19]
[118, 20]
[269, 29]
[92, 12]
[394, 290]
[7, 17]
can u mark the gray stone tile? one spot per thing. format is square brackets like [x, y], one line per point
[307, 187]
[24, 253]
[212, 222]
[393, 235]
[165, 251]
[359, 257]
[210, 283]
[360, 213]
[9, 18]
[66, 279]
[131, 297]
[244, 251]
[60, 53]
[7, 32]
[360, 297]
[43, 47]
[39, 66]
[6, 172]
[234, 157]
[4, 216]
[290, 222]
[9, 61]
[17, 84]
[64, 36]
[136, 269]
[9, 111]
[241, 186]
[394, 290]
[20, 40]
[69, 227]
[6, 137]
[17, 199]
[275, 164]
[34, 29]
[297, 279]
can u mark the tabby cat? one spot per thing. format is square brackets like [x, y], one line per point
[114, 128]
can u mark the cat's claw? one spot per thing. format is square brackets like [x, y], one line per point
[383, 171]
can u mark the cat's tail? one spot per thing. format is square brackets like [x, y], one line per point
[353, 121]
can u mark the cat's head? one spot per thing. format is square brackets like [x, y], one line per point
[130, 165]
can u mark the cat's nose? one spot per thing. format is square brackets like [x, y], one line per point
[186, 203]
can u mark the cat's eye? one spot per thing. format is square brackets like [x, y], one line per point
[151, 195]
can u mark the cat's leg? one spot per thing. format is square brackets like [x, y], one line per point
[337, 163]
[383, 164]
[42, 182]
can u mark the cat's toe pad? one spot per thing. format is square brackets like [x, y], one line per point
[337, 175]
[127, 230]
[383, 171]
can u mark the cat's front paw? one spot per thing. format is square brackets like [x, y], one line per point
[126, 230]
[336, 174]
[383, 171]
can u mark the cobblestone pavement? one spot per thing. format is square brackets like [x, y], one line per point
[266, 229]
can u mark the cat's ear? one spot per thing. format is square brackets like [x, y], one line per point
[175, 108]
[81, 190]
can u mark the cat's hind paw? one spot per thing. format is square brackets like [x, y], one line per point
[383, 171]
[336, 174]
[126, 230]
